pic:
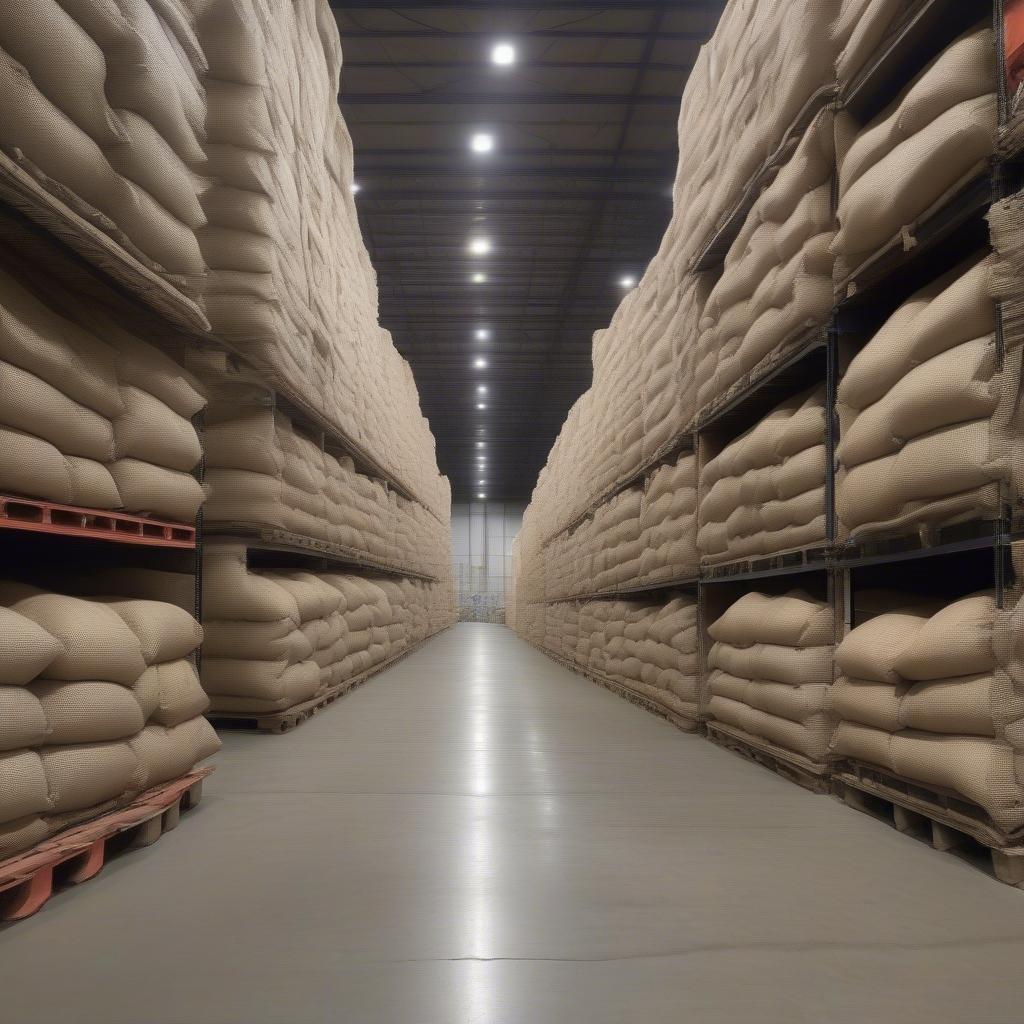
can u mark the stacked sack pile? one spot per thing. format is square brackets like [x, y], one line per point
[935, 137]
[643, 534]
[683, 337]
[764, 493]
[99, 701]
[261, 471]
[776, 284]
[932, 692]
[291, 287]
[290, 281]
[927, 414]
[762, 68]
[277, 638]
[771, 671]
[600, 552]
[102, 108]
[646, 648]
[91, 415]
[668, 522]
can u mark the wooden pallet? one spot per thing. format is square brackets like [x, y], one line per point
[280, 722]
[29, 879]
[785, 763]
[943, 820]
[34, 515]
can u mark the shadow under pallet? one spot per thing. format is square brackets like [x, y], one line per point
[944, 820]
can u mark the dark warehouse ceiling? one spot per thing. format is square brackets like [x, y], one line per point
[574, 198]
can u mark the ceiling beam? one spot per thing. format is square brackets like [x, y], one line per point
[489, 99]
[655, 195]
[502, 170]
[438, 34]
[518, 152]
[387, 63]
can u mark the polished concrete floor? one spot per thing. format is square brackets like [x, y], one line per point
[481, 837]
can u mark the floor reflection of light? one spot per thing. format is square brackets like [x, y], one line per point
[516, 814]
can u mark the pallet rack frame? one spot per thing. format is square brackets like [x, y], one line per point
[947, 821]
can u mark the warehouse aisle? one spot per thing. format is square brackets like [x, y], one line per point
[481, 836]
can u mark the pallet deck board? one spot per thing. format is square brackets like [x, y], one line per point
[785, 763]
[30, 878]
[945, 821]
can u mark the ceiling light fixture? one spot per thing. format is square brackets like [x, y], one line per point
[480, 405]
[503, 55]
[356, 187]
[480, 364]
[482, 390]
[479, 246]
[483, 334]
[479, 279]
[628, 282]
[482, 142]
[482, 497]
[479, 444]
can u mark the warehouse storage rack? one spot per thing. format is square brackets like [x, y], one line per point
[44, 542]
[957, 559]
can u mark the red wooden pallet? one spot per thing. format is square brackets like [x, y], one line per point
[29, 879]
[70, 521]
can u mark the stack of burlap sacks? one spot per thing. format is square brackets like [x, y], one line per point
[927, 409]
[90, 414]
[648, 648]
[290, 282]
[103, 104]
[680, 340]
[934, 692]
[764, 493]
[277, 638]
[261, 471]
[776, 284]
[204, 138]
[99, 701]
[927, 414]
[642, 534]
[935, 137]
[770, 671]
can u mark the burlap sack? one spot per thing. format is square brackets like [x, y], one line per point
[88, 712]
[96, 642]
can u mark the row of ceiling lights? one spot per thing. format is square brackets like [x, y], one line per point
[503, 55]
[482, 143]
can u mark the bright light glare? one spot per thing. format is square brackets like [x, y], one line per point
[482, 143]
[503, 55]
[480, 246]
[482, 390]
[356, 187]
[479, 444]
[482, 497]
[628, 282]
[483, 335]
[480, 364]
[480, 405]
[479, 279]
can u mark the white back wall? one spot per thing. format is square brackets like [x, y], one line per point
[482, 535]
